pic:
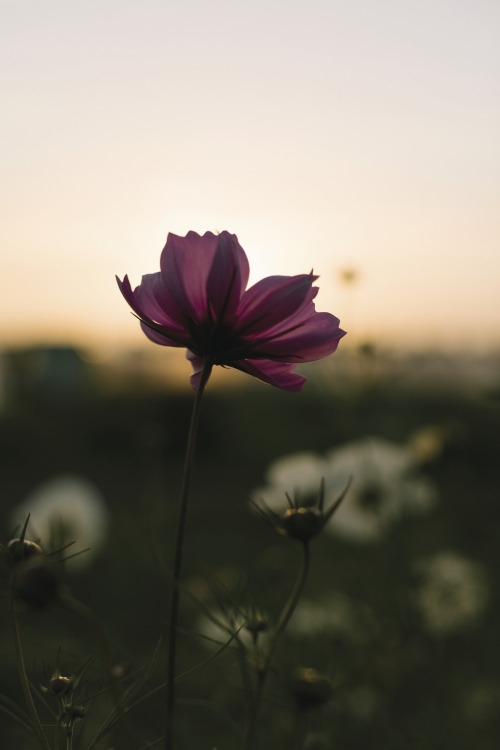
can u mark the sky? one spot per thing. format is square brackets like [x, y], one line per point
[327, 134]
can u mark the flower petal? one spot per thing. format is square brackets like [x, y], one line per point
[197, 363]
[129, 295]
[228, 277]
[160, 338]
[157, 326]
[155, 303]
[274, 373]
[313, 339]
[185, 264]
[169, 309]
[272, 300]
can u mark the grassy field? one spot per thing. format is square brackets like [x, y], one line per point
[401, 620]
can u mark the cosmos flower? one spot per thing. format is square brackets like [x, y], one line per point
[452, 593]
[334, 614]
[198, 301]
[67, 509]
[385, 485]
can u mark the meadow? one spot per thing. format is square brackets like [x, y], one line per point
[394, 642]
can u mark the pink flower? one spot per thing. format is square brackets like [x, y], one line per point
[198, 301]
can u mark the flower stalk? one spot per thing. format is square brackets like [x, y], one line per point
[84, 611]
[178, 554]
[37, 725]
[251, 728]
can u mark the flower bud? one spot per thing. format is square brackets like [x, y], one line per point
[61, 685]
[301, 523]
[20, 549]
[256, 622]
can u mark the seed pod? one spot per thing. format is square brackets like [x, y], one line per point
[302, 523]
[61, 685]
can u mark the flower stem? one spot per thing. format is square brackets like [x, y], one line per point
[249, 738]
[83, 610]
[24, 678]
[177, 566]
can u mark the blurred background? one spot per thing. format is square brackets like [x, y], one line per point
[357, 139]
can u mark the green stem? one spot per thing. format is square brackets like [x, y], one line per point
[57, 732]
[84, 611]
[178, 550]
[286, 613]
[24, 677]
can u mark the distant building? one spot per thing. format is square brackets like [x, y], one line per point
[52, 374]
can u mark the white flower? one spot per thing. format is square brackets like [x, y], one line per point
[386, 484]
[334, 614]
[66, 509]
[453, 592]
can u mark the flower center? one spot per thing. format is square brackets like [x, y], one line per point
[218, 342]
[371, 498]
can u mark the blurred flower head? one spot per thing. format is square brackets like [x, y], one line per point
[385, 485]
[198, 301]
[66, 509]
[452, 592]
[349, 275]
[332, 615]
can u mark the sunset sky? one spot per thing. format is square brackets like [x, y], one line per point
[326, 134]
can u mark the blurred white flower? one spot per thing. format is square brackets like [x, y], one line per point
[298, 474]
[66, 509]
[453, 592]
[330, 615]
[386, 484]
[334, 614]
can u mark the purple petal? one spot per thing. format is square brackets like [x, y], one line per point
[168, 306]
[197, 363]
[312, 339]
[274, 373]
[155, 303]
[273, 299]
[130, 296]
[228, 277]
[159, 338]
[157, 326]
[185, 264]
